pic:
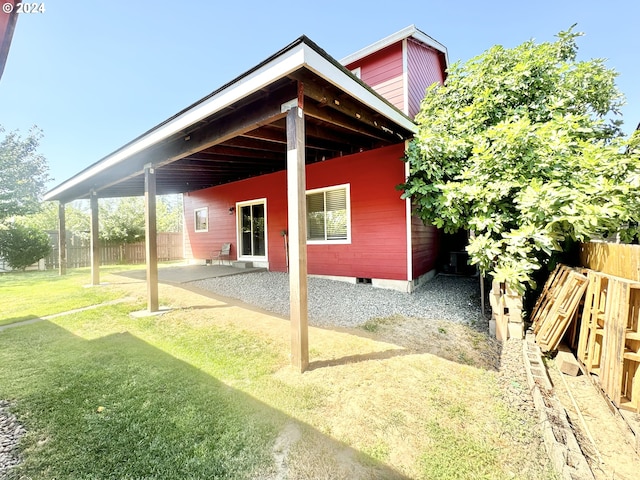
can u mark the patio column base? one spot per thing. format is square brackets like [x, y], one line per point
[147, 313]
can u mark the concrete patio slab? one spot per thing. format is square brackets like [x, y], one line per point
[190, 273]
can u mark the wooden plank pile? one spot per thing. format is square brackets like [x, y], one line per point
[557, 306]
[607, 327]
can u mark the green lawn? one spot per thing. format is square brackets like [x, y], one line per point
[205, 392]
[25, 295]
[118, 407]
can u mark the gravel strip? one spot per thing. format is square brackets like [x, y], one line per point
[10, 433]
[335, 303]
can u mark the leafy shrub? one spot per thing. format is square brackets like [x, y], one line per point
[22, 246]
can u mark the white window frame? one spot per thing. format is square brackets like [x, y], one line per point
[343, 241]
[239, 206]
[195, 219]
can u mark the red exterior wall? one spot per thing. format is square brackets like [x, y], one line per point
[383, 72]
[222, 224]
[425, 243]
[425, 67]
[378, 230]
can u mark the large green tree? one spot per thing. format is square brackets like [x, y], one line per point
[23, 174]
[77, 219]
[521, 147]
[122, 219]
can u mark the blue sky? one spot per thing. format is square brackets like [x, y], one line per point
[94, 75]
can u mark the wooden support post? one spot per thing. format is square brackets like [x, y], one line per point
[151, 237]
[297, 211]
[482, 294]
[62, 240]
[95, 239]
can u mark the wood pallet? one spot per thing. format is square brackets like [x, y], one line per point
[592, 323]
[545, 299]
[609, 340]
[552, 317]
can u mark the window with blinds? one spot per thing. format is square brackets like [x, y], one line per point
[328, 214]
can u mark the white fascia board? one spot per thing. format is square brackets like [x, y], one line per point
[410, 31]
[350, 85]
[279, 67]
[427, 40]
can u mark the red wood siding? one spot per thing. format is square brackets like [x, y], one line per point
[378, 231]
[425, 241]
[383, 71]
[425, 67]
[222, 224]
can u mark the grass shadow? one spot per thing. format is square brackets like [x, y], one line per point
[465, 344]
[383, 355]
[22, 318]
[118, 407]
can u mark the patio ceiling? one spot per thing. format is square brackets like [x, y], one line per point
[246, 136]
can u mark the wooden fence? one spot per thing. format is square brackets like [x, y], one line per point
[612, 258]
[609, 341]
[170, 247]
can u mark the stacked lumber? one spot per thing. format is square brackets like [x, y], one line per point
[609, 341]
[607, 327]
[557, 306]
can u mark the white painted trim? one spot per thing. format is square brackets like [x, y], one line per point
[350, 85]
[251, 258]
[195, 220]
[289, 61]
[407, 208]
[346, 241]
[405, 77]
[410, 31]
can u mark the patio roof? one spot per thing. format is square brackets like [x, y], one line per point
[239, 130]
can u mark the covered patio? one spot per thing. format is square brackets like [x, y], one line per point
[298, 107]
[180, 274]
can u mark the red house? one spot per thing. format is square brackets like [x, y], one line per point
[230, 154]
[300, 144]
[358, 227]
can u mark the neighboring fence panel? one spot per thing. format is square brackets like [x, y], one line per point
[612, 258]
[170, 247]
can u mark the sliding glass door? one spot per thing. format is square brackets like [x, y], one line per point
[252, 225]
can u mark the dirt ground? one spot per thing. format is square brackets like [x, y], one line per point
[381, 384]
[603, 435]
[399, 398]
